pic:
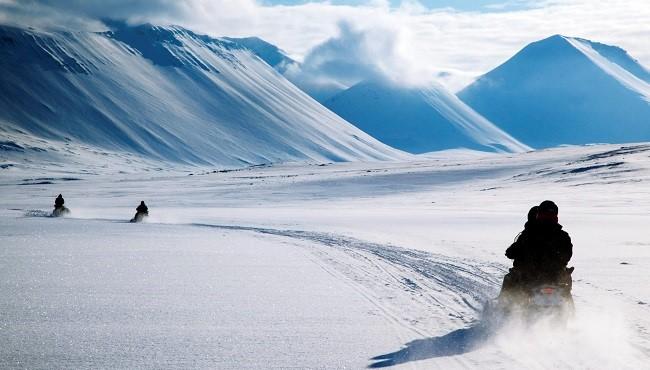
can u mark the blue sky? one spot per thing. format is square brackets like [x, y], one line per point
[463, 5]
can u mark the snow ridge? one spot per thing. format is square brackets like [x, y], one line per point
[622, 75]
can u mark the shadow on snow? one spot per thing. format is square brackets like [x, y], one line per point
[455, 343]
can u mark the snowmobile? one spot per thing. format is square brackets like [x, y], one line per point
[550, 301]
[140, 216]
[60, 211]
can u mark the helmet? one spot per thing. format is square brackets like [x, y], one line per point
[548, 206]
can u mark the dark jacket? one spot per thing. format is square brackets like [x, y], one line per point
[58, 202]
[542, 251]
[142, 208]
[513, 252]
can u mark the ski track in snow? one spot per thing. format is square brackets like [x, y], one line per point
[439, 300]
[432, 300]
[384, 272]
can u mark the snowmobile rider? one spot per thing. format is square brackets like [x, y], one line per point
[541, 252]
[511, 252]
[512, 278]
[142, 208]
[59, 201]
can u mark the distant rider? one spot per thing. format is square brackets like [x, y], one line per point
[142, 208]
[59, 201]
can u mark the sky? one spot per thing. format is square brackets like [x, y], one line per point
[450, 42]
[464, 5]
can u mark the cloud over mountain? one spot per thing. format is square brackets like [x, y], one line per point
[455, 46]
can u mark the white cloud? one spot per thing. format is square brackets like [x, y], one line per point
[405, 41]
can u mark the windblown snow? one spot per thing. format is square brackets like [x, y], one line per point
[625, 77]
[167, 93]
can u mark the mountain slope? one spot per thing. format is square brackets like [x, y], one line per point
[271, 54]
[564, 90]
[419, 120]
[167, 93]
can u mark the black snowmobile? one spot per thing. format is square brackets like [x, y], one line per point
[60, 211]
[532, 301]
[141, 213]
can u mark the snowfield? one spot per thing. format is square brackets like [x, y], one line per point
[344, 265]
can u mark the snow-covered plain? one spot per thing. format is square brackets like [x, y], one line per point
[315, 266]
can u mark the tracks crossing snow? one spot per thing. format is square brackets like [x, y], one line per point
[416, 290]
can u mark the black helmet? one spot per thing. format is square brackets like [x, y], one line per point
[532, 213]
[548, 206]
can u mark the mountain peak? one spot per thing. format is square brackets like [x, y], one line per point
[566, 90]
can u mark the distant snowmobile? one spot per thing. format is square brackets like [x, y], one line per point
[60, 212]
[142, 212]
[59, 209]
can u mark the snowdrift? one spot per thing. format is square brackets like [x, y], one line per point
[169, 94]
[565, 90]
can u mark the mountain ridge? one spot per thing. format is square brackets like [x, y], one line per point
[167, 93]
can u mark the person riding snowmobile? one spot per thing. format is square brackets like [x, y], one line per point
[59, 201]
[512, 278]
[59, 208]
[141, 212]
[540, 254]
[142, 208]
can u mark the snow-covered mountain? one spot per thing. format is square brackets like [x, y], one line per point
[271, 54]
[321, 89]
[565, 90]
[419, 120]
[166, 93]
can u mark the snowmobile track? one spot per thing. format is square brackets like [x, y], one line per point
[399, 281]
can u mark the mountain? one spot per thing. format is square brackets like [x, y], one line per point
[271, 54]
[419, 120]
[166, 93]
[318, 88]
[565, 90]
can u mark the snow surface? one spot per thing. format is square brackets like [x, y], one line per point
[419, 119]
[564, 90]
[166, 93]
[314, 266]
